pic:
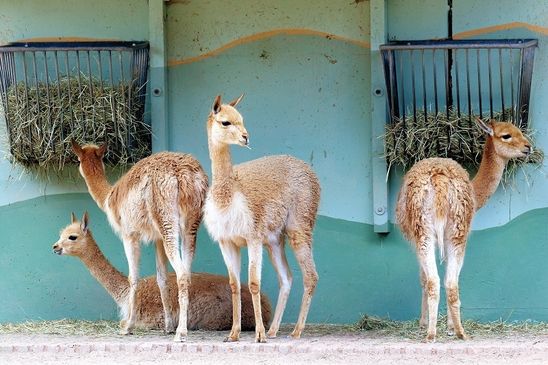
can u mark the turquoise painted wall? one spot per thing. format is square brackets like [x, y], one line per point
[360, 272]
[305, 72]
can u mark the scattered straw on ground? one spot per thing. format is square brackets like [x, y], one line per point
[42, 119]
[408, 141]
[371, 326]
[66, 327]
[411, 329]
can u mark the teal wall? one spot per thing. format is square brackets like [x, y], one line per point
[360, 272]
[305, 72]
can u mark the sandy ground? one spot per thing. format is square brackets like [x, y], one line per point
[328, 345]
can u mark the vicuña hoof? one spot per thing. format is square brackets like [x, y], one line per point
[463, 336]
[179, 337]
[125, 332]
[430, 338]
[295, 335]
[234, 336]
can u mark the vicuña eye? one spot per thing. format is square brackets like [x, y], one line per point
[506, 137]
[73, 238]
[226, 123]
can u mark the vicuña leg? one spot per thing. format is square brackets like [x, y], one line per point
[161, 279]
[167, 221]
[133, 253]
[232, 258]
[188, 247]
[426, 253]
[423, 321]
[170, 232]
[255, 253]
[455, 259]
[301, 242]
[171, 246]
[276, 251]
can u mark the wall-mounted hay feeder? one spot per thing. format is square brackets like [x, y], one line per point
[436, 89]
[90, 91]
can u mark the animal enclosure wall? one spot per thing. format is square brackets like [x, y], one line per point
[305, 71]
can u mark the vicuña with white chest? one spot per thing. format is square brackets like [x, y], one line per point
[435, 207]
[258, 203]
[159, 199]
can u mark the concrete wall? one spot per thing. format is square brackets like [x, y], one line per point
[305, 72]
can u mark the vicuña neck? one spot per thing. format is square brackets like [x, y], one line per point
[489, 174]
[115, 283]
[98, 184]
[221, 162]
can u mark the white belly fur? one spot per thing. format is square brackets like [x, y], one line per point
[232, 223]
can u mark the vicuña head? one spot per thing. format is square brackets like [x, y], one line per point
[75, 239]
[504, 141]
[508, 140]
[90, 157]
[226, 125]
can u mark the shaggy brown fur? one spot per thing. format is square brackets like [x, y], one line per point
[260, 203]
[210, 303]
[159, 198]
[436, 204]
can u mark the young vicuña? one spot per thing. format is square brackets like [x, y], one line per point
[435, 207]
[159, 199]
[210, 300]
[258, 203]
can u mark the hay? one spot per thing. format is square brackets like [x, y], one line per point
[407, 141]
[381, 327]
[411, 329]
[43, 119]
[70, 327]
[61, 327]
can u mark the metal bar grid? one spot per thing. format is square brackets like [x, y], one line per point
[478, 74]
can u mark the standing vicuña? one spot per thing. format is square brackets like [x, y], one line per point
[436, 204]
[158, 199]
[210, 303]
[258, 203]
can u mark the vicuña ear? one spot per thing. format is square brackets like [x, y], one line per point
[101, 151]
[485, 127]
[235, 102]
[217, 104]
[76, 147]
[73, 218]
[84, 224]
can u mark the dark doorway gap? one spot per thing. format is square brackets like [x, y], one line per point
[449, 96]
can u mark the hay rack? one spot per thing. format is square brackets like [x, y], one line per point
[46, 82]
